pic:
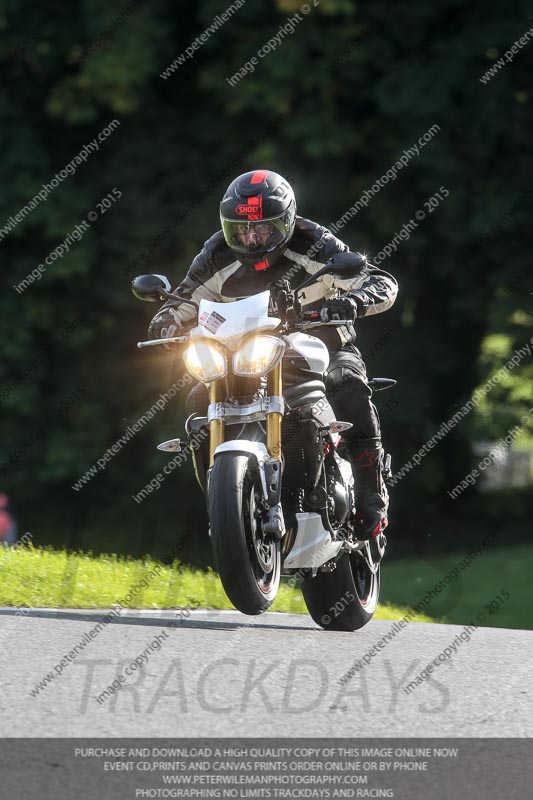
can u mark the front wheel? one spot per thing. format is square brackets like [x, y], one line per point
[345, 599]
[248, 560]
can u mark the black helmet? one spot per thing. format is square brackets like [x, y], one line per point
[257, 214]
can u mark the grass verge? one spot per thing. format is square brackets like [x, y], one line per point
[507, 569]
[35, 577]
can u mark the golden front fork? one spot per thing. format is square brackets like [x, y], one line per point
[216, 426]
[273, 420]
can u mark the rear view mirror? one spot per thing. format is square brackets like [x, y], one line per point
[345, 265]
[151, 288]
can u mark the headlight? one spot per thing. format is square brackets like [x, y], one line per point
[205, 361]
[258, 356]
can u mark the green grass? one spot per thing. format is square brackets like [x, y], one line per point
[508, 569]
[35, 577]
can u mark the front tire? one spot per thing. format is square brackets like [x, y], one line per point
[345, 599]
[247, 560]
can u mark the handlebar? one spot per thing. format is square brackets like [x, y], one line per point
[169, 340]
[309, 321]
[333, 322]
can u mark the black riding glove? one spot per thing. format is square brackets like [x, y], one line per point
[165, 324]
[342, 308]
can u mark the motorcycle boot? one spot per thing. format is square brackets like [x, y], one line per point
[371, 495]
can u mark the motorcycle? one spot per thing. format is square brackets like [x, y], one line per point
[268, 456]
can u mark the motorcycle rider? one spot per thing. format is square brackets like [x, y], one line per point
[263, 242]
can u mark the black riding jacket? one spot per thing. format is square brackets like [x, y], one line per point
[216, 274]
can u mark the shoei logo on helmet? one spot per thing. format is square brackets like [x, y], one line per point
[253, 208]
[241, 210]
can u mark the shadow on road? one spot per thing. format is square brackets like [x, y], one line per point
[158, 620]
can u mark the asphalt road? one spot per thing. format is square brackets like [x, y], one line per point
[220, 673]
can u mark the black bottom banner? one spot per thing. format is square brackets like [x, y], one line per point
[98, 769]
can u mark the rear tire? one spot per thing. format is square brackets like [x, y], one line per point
[248, 561]
[345, 599]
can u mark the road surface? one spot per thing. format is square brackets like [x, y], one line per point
[148, 673]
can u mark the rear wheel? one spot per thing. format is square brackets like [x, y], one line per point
[248, 560]
[344, 599]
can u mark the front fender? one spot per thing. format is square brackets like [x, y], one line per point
[257, 450]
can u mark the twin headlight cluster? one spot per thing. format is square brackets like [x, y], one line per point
[208, 362]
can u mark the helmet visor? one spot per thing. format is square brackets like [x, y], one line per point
[259, 236]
